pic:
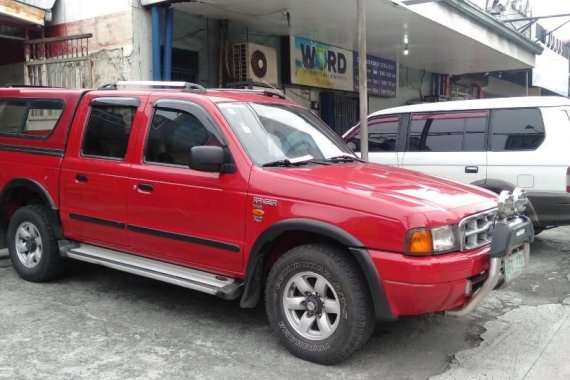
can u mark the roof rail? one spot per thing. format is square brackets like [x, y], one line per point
[265, 91]
[184, 86]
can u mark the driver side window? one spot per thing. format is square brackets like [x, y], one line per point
[172, 134]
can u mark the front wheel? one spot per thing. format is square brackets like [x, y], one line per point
[32, 244]
[319, 304]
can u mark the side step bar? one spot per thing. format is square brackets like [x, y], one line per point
[221, 286]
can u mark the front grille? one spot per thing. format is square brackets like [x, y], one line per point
[476, 230]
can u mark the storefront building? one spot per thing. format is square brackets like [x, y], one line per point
[417, 51]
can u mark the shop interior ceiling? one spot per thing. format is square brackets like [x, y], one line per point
[432, 46]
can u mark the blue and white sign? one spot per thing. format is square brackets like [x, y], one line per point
[382, 76]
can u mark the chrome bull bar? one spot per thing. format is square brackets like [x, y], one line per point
[509, 235]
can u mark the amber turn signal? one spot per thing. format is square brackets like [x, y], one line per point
[419, 243]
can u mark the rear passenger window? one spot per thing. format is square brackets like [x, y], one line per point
[449, 132]
[108, 130]
[35, 118]
[382, 135]
[172, 134]
[516, 129]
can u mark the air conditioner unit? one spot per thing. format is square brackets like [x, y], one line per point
[499, 6]
[253, 62]
[520, 6]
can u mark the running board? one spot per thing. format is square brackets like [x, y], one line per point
[221, 286]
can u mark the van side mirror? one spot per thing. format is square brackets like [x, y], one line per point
[207, 158]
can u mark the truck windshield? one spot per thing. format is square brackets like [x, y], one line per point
[277, 133]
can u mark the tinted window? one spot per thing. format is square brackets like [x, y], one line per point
[108, 130]
[29, 117]
[172, 135]
[516, 129]
[449, 132]
[382, 135]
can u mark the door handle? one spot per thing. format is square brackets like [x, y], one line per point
[146, 187]
[471, 169]
[81, 178]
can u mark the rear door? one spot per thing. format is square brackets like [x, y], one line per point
[95, 170]
[382, 140]
[519, 154]
[450, 145]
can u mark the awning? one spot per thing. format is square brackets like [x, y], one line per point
[29, 12]
[447, 36]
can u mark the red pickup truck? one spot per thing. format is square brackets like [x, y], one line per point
[240, 193]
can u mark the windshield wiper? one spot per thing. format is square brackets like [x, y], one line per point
[309, 159]
[343, 158]
[285, 163]
[297, 161]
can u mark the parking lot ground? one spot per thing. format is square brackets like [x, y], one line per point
[98, 323]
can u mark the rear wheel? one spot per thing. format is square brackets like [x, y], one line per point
[319, 304]
[32, 244]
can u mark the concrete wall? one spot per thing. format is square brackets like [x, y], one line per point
[12, 74]
[142, 45]
[303, 95]
[120, 47]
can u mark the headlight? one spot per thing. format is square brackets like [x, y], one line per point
[512, 203]
[506, 205]
[520, 199]
[443, 239]
[428, 241]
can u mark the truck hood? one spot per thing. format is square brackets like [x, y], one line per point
[407, 188]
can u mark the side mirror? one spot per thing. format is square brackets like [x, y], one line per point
[207, 159]
[352, 146]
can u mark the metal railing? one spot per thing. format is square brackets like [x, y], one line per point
[59, 61]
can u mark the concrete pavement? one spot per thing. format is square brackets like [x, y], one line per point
[527, 342]
[97, 323]
[530, 342]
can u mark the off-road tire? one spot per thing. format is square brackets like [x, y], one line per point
[51, 265]
[356, 318]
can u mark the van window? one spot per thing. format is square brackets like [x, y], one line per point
[107, 132]
[382, 135]
[448, 132]
[29, 117]
[516, 129]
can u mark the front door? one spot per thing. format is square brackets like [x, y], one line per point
[450, 145]
[382, 140]
[178, 214]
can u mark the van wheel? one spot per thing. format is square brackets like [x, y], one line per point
[32, 244]
[319, 304]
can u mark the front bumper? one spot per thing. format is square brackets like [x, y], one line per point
[456, 282]
[508, 235]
